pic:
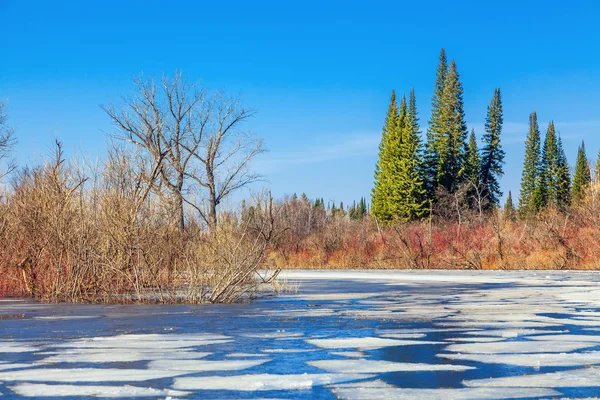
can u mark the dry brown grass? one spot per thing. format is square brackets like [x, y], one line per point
[75, 235]
[550, 240]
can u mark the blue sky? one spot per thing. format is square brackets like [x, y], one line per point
[319, 75]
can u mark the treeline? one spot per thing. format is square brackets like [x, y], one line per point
[411, 177]
[451, 171]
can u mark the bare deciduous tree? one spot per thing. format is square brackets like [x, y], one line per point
[194, 137]
[7, 141]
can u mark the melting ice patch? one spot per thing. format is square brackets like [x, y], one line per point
[202, 365]
[374, 366]
[586, 377]
[17, 347]
[155, 341]
[118, 355]
[535, 360]
[518, 347]
[375, 390]
[86, 375]
[43, 390]
[256, 382]
[364, 343]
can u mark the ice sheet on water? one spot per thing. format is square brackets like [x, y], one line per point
[499, 325]
[364, 343]
[375, 366]
[336, 296]
[475, 339]
[376, 390]
[256, 382]
[404, 335]
[511, 333]
[273, 335]
[567, 338]
[65, 317]
[535, 360]
[518, 347]
[585, 377]
[4, 366]
[17, 347]
[203, 365]
[155, 341]
[44, 390]
[351, 354]
[86, 375]
[118, 355]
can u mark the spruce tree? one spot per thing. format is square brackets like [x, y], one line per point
[452, 145]
[435, 129]
[492, 155]
[509, 208]
[531, 169]
[582, 176]
[471, 169]
[410, 195]
[548, 178]
[563, 178]
[380, 200]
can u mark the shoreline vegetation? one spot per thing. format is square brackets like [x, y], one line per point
[147, 224]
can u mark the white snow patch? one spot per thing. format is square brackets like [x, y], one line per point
[376, 366]
[86, 375]
[66, 317]
[43, 390]
[264, 381]
[7, 366]
[17, 347]
[568, 338]
[351, 354]
[364, 343]
[404, 335]
[535, 360]
[119, 355]
[384, 391]
[154, 341]
[336, 296]
[273, 335]
[573, 378]
[511, 333]
[203, 365]
[518, 347]
[475, 339]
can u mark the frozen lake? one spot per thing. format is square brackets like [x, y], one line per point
[346, 334]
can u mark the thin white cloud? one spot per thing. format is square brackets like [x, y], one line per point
[333, 148]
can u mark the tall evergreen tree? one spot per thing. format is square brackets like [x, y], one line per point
[471, 169]
[582, 176]
[531, 169]
[509, 208]
[492, 155]
[410, 195]
[435, 129]
[452, 144]
[563, 178]
[548, 178]
[381, 201]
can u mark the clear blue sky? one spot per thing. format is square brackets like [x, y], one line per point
[319, 75]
